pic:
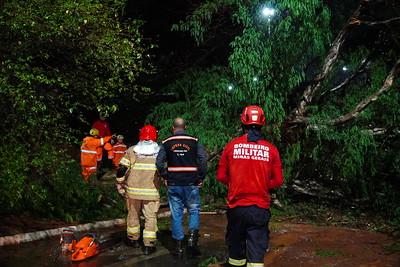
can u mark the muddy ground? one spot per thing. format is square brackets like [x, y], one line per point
[292, 244]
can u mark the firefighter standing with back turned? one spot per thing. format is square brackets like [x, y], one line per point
[250, 167]
[89, 148]
[138, 180]
[187, 167]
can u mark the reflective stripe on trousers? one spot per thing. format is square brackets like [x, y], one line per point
[255, 264]
[133, 230]
[235, 262]
[149, 234]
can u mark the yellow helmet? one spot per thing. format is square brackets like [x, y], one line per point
[94, 132]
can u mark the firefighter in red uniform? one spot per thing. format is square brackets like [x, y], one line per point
[250, 166]
[103, 127]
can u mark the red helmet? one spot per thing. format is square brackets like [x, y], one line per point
[148, 132]
[253, 115]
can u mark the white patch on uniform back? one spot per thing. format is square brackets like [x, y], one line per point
[146, 148]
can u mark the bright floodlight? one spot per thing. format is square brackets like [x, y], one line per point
[268, 12]
[345, 68]
[230, 87]
[255, 79]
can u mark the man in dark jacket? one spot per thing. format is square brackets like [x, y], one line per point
[250, 166]
[186, 159]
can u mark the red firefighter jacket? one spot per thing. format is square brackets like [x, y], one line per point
[250, 170]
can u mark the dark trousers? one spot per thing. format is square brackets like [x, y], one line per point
[247, 234]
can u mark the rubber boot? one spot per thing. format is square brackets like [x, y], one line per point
[132, 243]
[192, 244]
[148, 250]
[178, 252]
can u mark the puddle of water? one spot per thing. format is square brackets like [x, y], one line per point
[114, 252]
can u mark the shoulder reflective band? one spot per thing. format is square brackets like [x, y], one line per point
[125, 162]
[178, 137]
[182, 169]
[255, 264]
[119, 152]
[102, 141]
[237, 262]
[149, 234]
[133, 230]
[92, 168]
[150, 192]
[89, 151]
[144, 166]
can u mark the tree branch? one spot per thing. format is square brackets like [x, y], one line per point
[368, 100]
[373, 23]
[330, 59]
[360, 70]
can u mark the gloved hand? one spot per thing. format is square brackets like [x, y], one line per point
[121, 189]
[113, 140]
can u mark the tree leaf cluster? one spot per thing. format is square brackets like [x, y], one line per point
[59, 60]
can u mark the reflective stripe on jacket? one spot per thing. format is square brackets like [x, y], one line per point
[89, 148]
[142, 179]
[119, 151]
[182, 159]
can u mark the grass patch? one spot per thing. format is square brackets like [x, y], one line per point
[208, 261]
[326, 253]
[163, 224]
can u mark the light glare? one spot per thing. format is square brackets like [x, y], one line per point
[268, 12]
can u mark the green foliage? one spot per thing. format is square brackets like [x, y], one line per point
[204, 95]
[208, 261]
[59, 60]
[270, 63]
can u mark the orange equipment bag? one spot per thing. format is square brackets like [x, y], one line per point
[85, 248]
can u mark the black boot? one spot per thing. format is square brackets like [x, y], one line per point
[132, 243]
[192, 246]
[148, 250]
[178, 252]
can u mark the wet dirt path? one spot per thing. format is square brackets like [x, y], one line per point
[291, 245]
